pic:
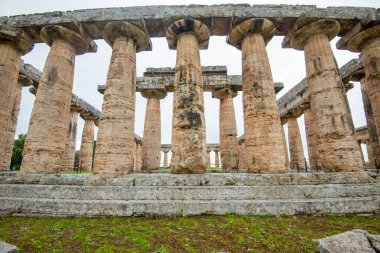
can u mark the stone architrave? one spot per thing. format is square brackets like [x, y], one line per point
[115, 147]
[13, 43]
[71, 139]
[151, 144]
[297, 162]
[311, 136]
[229, 150]
[188, 36]
[23, 81]
[366, 39]
[87, 145]
[262, 126]
[287, 164]
[217, 163]
[45, 142]
[337, 146]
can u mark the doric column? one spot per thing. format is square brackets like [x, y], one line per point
[5, 161]
[151, 144]
[71, 139]
[166, 164]
[114, 148]
[189, 130]
[336, 140]
[371, 158]
[262, 126]
[229, 150]
[287, 164]
[311, 138]
[208, 159]
[297, 162]
[87, 145]
[45, 142]
[366, 39]
[138, 155]
[217, 163]
[242, 164]
[373, 144]
[13, 44]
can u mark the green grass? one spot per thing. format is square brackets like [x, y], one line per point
[230, 233]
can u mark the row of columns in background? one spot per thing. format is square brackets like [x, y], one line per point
[337, 148]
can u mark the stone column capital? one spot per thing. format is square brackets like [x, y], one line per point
[77, 37]
[359, 37]
[152, 91]
[24, 80]
[223, 93]
[16, 37]
[118, 29]
[262, 26]
[188, 25]
[301, 32]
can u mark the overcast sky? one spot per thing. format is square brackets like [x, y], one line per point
[91, 69]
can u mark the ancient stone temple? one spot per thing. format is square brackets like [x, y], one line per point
[260, 172]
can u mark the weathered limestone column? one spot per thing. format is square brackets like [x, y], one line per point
[151, 144]
[262, 126]
[5, 161]
[87, 145]
[166, 164]
[208, 159]
[71, 139]
[45, 143]
[189, 130]
[366, 39]
[336, 140]
[311, 137]
[297, 162]
[217, 163]
[361, 151]
[371, 158]
[138, 155]
[13, 44]
[242, 164]
[229, 150]
[287, 164]
[114, 148]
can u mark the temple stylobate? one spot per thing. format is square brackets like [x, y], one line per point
[332, 144]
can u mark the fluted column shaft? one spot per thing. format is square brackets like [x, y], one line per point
[262, 126]
[337, 146]
[287, 163]
[311, 136]
[208, 158]
[71, 139]
[166, 164]
[87, 145]
[217, 164]
[189, 130]
[242, 164]
[297, 162]
[44, 146]
[370, 153]
[138, 156]
[151, 144]
[228, 134]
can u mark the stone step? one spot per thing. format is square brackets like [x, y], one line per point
[264, 192]
[50, 207]
[210, 179]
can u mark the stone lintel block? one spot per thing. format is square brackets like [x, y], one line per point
[222, 92]
[77, 38]
[24, 80]
[359, 36]
[262, 26]
[188, 25]
[150, 90]
[17, 37]
[301, 32]
[138, 34]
